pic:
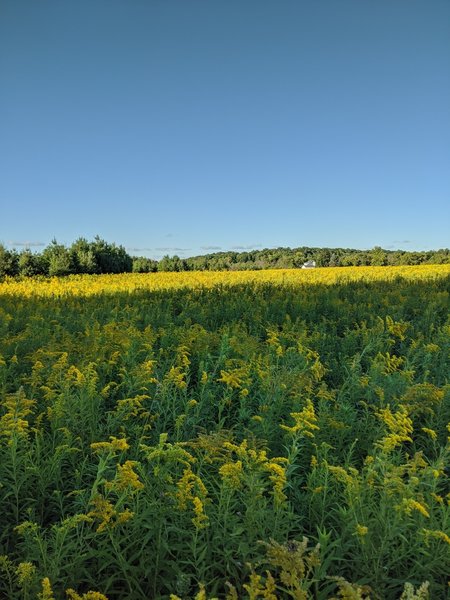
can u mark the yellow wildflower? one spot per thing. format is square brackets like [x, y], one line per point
[124, 516]
[305, 421]
[409, 504]
[399, 425]
[200, 519]
[115, 445]
[176, 377]
[436, 534]
[72, 595]
[278, 478]
[102, 510]
[231, 379]
[232, 473]
[13, 422]
[361, 530]
[47, 592]
[126, 477]
[430, 432]
[25, 572]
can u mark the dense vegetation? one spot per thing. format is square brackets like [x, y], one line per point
[100, 256]
[248, 440]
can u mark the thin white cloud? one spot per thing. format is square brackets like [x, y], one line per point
[27, 244]
[250, 247]
[210, 248]
[140, 249]
[172, 249]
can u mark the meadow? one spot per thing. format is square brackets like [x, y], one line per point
[244, 435]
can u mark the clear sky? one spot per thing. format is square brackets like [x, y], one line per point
[189, 126]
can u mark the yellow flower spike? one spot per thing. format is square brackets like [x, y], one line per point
[409, 593]
[47, 592]
[305, 421]
[115, 445]
[230, 379]
[124, 516]
[25, 572]
[399, 425]
[103, 511]
[232, 473]
[72, 595]
[201, 594]
[409, 504]
[200, 520]
[361, 530]
[176, 377]
[13, 422]
[126, 478]
[430, 432]
[436, 534]
[279, 480]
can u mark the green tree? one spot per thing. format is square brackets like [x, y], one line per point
[31, 264]
[58, 259]
[83, 256]
[111, 258]
[9, 263]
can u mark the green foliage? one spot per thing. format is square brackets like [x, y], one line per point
[263, 441]
[99, 257]
[8, 262]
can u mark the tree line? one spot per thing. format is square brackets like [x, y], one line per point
[99, 256]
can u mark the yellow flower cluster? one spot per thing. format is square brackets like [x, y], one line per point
[13, 422]
[305, 421]
[191, 490]
[126, 477]
[88, 285]
[399, 425]
[115, 445]
[104, 511]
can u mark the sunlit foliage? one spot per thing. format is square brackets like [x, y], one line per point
[271, 434]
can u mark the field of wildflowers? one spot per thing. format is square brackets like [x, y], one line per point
[270, 434]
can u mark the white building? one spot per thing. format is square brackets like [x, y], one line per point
[309, 264]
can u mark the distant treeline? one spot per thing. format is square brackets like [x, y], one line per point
[100, 256]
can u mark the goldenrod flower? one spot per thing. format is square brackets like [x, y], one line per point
[361, 530]
[436, 534]
[115, 445]
[127, 478]
[232, 473]
[47, 592]
[399, 425]
[103, 511]
[278, 478]
[72, 595]
[305, 421]
[25, 572]
[409, 504]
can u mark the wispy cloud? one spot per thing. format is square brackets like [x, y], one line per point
[140, 249]
[172, 249]
[210, 247]
[402, 242]
[27, 244]
[250, 247]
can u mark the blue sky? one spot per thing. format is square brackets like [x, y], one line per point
[189, 126]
